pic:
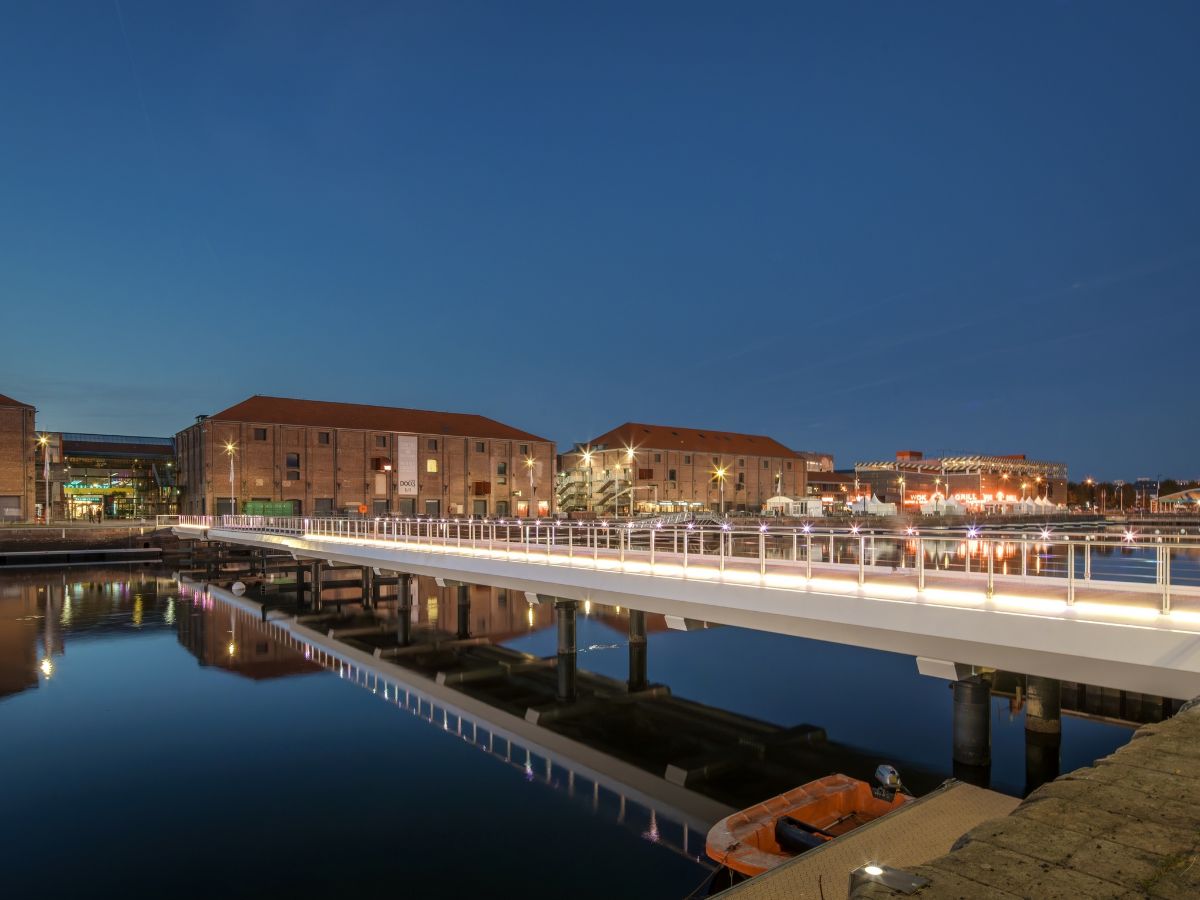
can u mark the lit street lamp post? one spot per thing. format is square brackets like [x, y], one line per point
[44, 443]
[530, 462]
[230, 450]
[719, 473]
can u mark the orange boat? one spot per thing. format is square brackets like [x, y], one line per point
[772, 832]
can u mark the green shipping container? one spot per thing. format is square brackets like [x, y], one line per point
[268, 507]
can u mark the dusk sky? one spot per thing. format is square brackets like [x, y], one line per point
[855, 227]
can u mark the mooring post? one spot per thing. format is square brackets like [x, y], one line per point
[972, 722]
[1043, 730]
[315, 588]
[404, 609]
[637, 651]
[565, 612]
[464, 611]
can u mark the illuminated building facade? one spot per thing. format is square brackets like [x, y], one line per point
[96, 477]
[18, 443]
[308, 457]
[638, 468]
[980, 483]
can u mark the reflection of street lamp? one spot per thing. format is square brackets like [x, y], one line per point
[1091, 483]
[230, 450]
[719, 473]
[44, 443]
[901, 495]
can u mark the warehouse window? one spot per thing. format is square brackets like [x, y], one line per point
[766, 464]
[524, 449]
[293, 475]
[670, 474]
[502, 468]
[323, 438]
[480, 447]
[292, 460]
[687, 460]
[381, 440]
[432, 443]
[741, 477]
[323, 506]
[260, 434]
[431, 465]
[658, 457]
[742, 462]
[789, 465]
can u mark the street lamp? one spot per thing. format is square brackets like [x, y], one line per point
[230, 450]
[587, 461]
[901, 495]
[530, 462]
[719, 473]
[44, 443]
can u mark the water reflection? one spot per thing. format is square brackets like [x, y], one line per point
[39, 610]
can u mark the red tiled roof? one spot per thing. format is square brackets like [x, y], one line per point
[700, 440]
[9, 401]
[317, 413]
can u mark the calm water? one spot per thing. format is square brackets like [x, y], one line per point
[154, 742]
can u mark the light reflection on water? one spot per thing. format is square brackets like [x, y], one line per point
[100, 668]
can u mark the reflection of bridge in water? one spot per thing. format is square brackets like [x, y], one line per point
[1057, 608]
[654, 756]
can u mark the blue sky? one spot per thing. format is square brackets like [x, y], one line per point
[856, 227]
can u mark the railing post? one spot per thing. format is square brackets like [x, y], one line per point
[991, 571]
[762, 554]
[862, 558]
[920, 564]
[795, 546]
[570, 542]
[686, 540]
[830, 546]
[721, 536]
[1166, 579]
[808, 556]
[1070, 572]
[1087, 558]
[1024, 557]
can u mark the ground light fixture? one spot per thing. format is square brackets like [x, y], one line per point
[889, 877]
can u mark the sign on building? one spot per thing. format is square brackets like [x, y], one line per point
[406, 465]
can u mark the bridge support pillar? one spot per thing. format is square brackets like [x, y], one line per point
[368, 589]
[973, 722]
[404, 609]
[1043, 705]
[314, 591]
[637, 651]
[300, 586]
[564, 611]
[464, 612]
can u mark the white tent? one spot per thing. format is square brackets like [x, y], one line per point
[872, 506]
[780, 505]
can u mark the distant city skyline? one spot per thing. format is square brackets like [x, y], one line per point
[855, 229]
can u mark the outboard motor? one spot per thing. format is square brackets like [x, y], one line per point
[889, 783]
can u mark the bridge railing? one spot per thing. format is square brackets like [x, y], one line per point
[1160, 564]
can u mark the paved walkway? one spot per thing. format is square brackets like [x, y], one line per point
[1129, 826]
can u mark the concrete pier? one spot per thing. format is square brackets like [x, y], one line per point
[1043, 705]
[1129, 826]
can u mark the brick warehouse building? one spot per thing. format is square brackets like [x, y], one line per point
[325, 458]
[661, 468]
[18, 465]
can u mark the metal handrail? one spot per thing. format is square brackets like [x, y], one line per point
[977, 554]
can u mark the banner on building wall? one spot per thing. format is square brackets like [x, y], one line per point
[406, 465]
